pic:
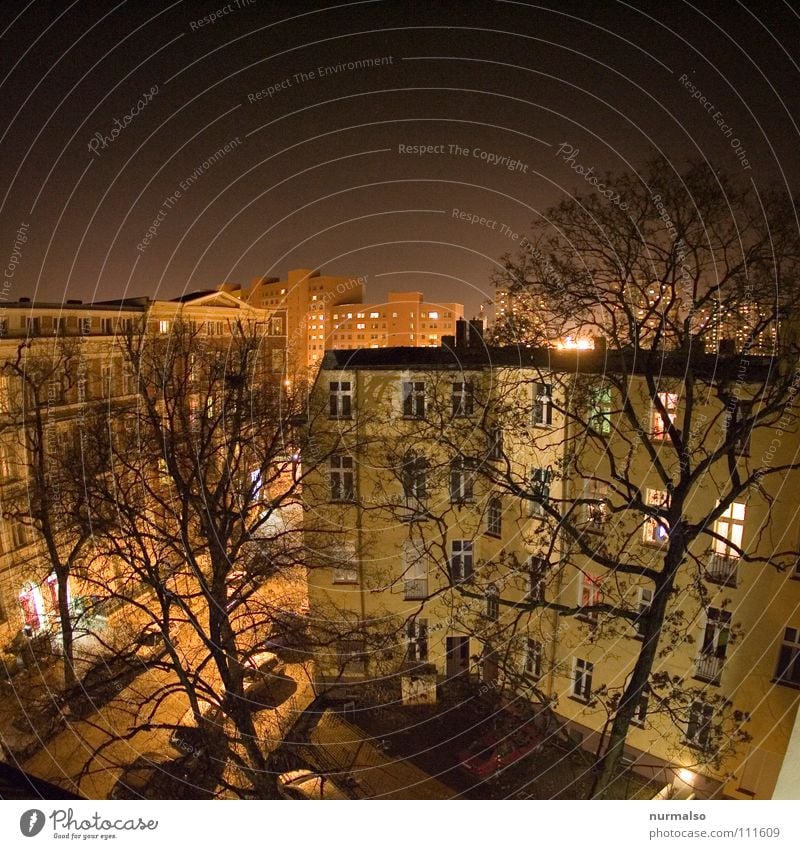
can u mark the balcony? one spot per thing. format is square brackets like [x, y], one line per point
[722, 568]
[415, 589]
[708, 667]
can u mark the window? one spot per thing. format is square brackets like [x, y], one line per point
[494, 516]
[415, 576]
[532, 663]
[461, 559]
[582, 679]
[595, 509]
[494, 447]
[415, 480]
[20, 534]
[414, 399]
[462, 478]
[644, 602]
[542, 404]
[345, 567]
[640, 712]
[788, 671]
[600, 411]
[276, 325]
[342, 478]
[3, 327]
[352, 652]
[536, 579]
[658, 424]
[433, 314]
[417, 640]
[340, 399]
[5, 395]
[463, 399]
[59, 326]
[107, 326]
[374, 315]
[590, 594]
[540, 490]
[33, 325]
[727, 543]
[699, 726]
[655, 529]
[163, 327]
[492, 604]
[708, 665]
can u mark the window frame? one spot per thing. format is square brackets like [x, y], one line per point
[651, 526]
[699, 725]
[494, 516]
[582, 675]
[542, 404]
[463, 398]
[790, 649]
[342, 468]
[461, 480]
[462, 560]
[340, 399]
[413, 398]
[659, 430]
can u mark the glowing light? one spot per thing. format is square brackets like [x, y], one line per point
[571, 344]
[686, 776]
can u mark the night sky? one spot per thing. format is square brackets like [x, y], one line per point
[147, 151]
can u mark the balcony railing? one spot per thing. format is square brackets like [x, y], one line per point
[722, 568]
[415, 589]
[708, 667]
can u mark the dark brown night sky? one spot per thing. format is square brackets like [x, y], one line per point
[314, 174]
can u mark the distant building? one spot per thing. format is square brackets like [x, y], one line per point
[324, 313]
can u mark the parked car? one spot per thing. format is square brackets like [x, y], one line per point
[151, 645]
[496, 750]
[139, 780]
[304, 784]
[187, 738]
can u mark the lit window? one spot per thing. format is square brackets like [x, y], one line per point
[536, 579]
[788, 671]
[659, 424]
[600, 411]
[340, 399]
[342, 478]
[361, 326]
[461, 559]
[374, 315]
[582, 679]
[542, 411]
[727, 543]
[494, 516]
[655, 528]
[640, 713]
[590, 594]
[433, 314]
[163, 327]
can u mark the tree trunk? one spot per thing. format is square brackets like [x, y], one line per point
[637, 684]
[67, 635]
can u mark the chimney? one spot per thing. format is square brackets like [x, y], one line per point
[475, 333]
[461, 333]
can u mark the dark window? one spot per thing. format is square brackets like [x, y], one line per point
[462, 478]
[414, 399]
[788, 671]
[342, 478]
[341, 399]
[495, 443]
[461, 559]
[699, 726]
[463, 399]
[494, 516]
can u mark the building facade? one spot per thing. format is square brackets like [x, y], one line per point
[508, 512]
[65, 369]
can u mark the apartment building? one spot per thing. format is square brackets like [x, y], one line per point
[492, 514]
[70, 360]
[325, 312]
